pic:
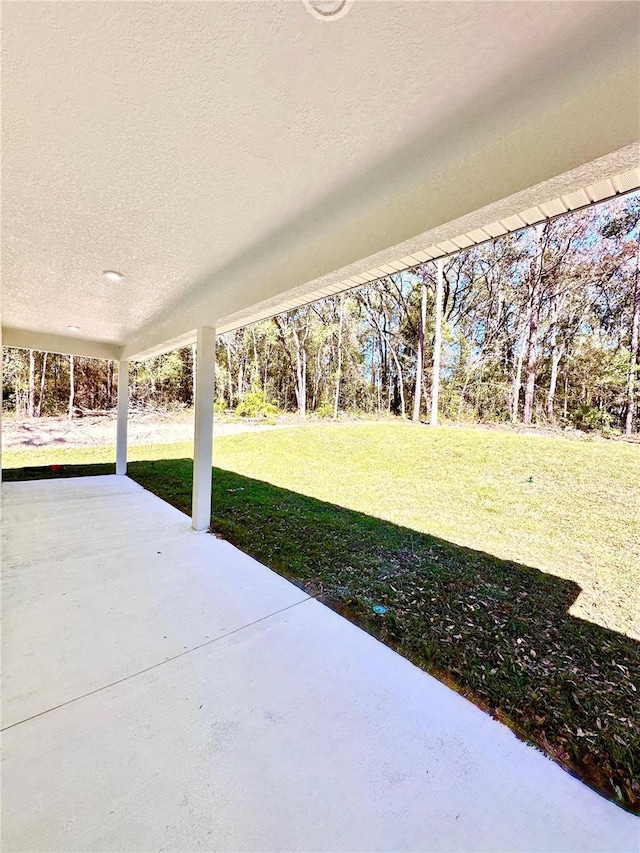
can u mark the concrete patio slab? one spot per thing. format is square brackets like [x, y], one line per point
[62, 533]
[80, 569]
[292, 730]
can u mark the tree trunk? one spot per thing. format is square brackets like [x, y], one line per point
[240, 377]
[72, 390]
[32, 385]
[267, 355]
[633, 359]
[230, 383]
[379, 378]
[298, 367]
[387, 373]
[396, 361]
[255, 373]
[43, 383]
[336, 401]
[437, 345]
[535, 303]
[463, 392]
[381, 371]
[301, 375]
[517, 378]
[110, 385]
[556, 354]
[420, 354]
[315, 385]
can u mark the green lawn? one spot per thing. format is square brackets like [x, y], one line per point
[508, 564]
[568, 507]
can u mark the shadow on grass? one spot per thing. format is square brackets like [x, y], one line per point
[498, 632]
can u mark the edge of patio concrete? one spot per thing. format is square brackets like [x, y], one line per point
[163, 690]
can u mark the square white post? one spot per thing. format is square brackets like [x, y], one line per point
[205, 369]
[123, 410]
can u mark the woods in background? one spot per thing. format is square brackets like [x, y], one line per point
[541, 326]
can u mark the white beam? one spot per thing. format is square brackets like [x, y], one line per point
[162, 347]
[205, 368]
[123, 411]
[61, 344]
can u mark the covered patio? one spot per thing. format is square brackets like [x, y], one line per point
[164, 691]
[168, 176]
[177, 170]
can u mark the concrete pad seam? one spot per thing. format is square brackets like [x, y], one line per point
[158, 664]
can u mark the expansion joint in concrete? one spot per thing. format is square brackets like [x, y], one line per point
[158, 664]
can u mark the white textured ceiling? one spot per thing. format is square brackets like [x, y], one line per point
[187, 144]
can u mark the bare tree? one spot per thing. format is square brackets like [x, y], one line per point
[422, 323]
[437, 345]
[556, 351]
[297, 359]
[43, 384]
[32, 385]
[72, 389]
[336, 400]
[534, 306]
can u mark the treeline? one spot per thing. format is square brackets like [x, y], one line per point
[38, 384]
[541, 326]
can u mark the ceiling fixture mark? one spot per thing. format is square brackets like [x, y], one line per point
[327, 10]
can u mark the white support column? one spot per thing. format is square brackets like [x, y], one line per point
[123, 411]
[205, 368]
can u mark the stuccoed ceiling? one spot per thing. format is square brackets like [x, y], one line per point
[221, 154]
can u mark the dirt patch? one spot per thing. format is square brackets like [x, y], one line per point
[99, 429]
